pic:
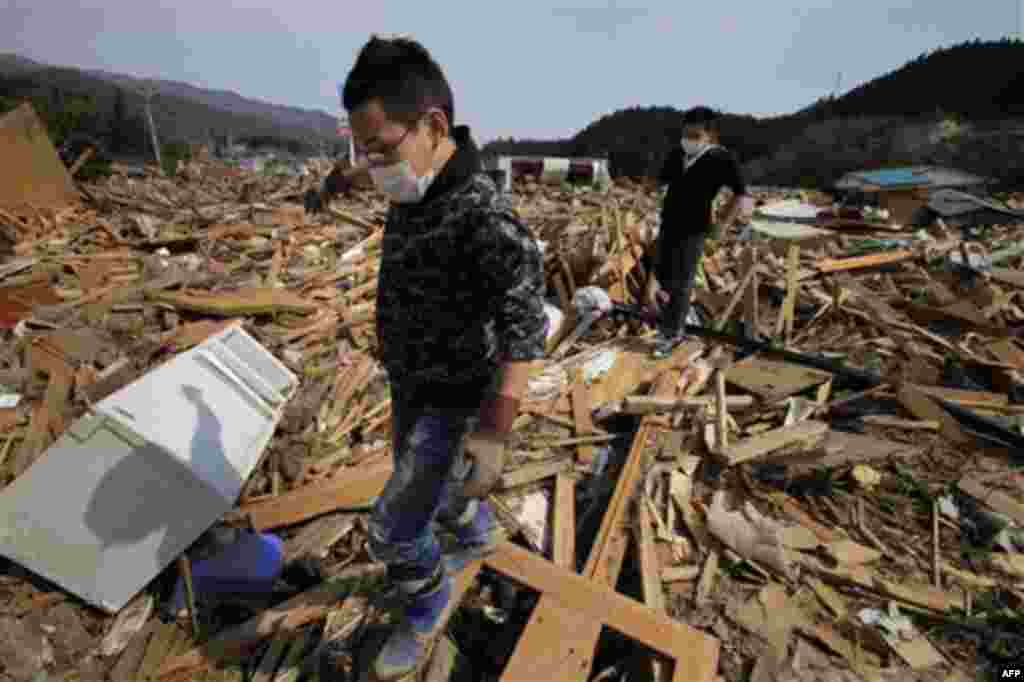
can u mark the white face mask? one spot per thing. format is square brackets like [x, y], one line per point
[693, 147]
[401, 183]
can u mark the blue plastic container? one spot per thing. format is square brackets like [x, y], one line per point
[248, 566]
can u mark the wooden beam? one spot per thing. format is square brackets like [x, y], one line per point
[784, 325]
[924, 407]
[757, 446]
[870, 261]
[581, 416]
[352, 488]
[564, 523]
[534, 657]
[751, 308]
[695, 654]
[531, 473]
[643, 404]
[739, 293]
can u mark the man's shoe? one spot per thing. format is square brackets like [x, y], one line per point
[664, 346]
[409, 645]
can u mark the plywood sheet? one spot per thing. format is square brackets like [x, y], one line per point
[773, 380]
[32, 172]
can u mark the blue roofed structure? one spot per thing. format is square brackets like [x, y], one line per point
[903, 191]
[932, 177]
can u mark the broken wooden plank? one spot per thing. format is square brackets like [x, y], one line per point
[757, 446]
[563, 548]
[348, 489]
[784, 327]
[584, 425]
[650, 570]
[534, 656]
[643, 405]
[981, 489]
[773, 380]
[897, 423]
[870, 261]
[924, 407]
[317, 538]
[531, 473]
[695, 654]
[256, 301]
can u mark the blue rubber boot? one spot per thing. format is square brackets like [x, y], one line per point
[409, 645]
[477, 534]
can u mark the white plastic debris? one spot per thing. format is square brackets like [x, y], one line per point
[591, 302]
[163, 251]
[191, 261]
[948, 508]
[555, 318]
[599, 365]
[893, 622]
[9, 400]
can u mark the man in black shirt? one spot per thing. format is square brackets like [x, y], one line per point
[695, 171]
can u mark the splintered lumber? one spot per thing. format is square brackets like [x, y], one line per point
[982, 490]
[300, 610]
[873, 260]
[772, 380]
[751, 313]
[925, 408]
[650, 570]
[242, 302]
[785, 320]
[534, 657]
[643, 404]
[770, 441]
[531, 473]
[563, 550]
[352, 488]
[695, 654]
[581, 416]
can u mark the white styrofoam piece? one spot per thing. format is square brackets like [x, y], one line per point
[789, 209]
[128, 487]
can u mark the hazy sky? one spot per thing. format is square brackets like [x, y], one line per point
[521, 68]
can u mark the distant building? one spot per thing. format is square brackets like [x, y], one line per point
[548, 170]
[902, 191]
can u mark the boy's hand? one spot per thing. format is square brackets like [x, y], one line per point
[487, 449]
[487, 445]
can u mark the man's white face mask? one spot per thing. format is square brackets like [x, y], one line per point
[693, 147]
[400, 182]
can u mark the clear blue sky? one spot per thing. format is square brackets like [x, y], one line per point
[520, 68]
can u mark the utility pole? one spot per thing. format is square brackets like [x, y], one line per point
[148, 91]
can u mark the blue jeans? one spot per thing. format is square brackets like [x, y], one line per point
[429, 471]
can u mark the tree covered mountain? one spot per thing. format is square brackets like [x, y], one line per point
[979, 82]
[109, 107]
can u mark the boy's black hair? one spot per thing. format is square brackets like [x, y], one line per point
[402, 74]
[699, 116]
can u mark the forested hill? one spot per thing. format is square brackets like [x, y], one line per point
[108, 107]
[975, 81]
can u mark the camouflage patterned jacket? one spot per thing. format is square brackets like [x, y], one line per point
[461, 282]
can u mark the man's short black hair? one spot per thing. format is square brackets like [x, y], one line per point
[402, 74]
[699, 116]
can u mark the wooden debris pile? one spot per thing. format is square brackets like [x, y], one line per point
[779, 520]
